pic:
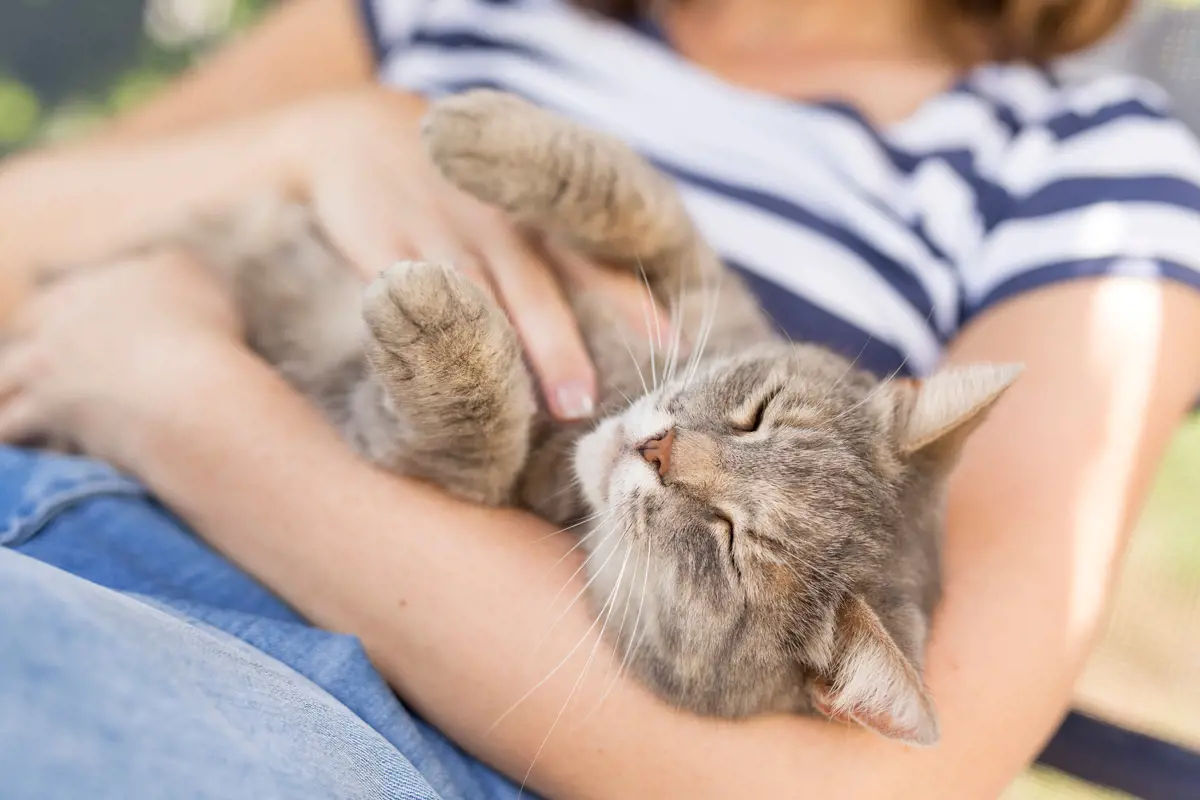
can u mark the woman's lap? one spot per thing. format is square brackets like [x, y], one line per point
[151, 689]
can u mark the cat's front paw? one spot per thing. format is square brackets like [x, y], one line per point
[450, 368]
[430, 320]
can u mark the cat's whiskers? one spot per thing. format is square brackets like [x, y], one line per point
[706, 296]
[707, 324]
[871, 394]
[849, 368]
[612, 531]
[652, 332]
[593, 532]
[561, 663]
[712, 302]
[636, 364]
[572, 526]
[891, 376]
[633, 641]
[571, 484]
[575, 547]
[606, 613]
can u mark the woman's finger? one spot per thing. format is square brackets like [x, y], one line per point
[438, 247]
[630, 295]
[369, 232]
[544, 320]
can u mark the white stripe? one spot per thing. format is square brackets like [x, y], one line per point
[674, 87]
[1086, 98]
[749, 157]
[951, 219]
[816, 269]
[958, 121]
[1104, 230]
[1130, 147]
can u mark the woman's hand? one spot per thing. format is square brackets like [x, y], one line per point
[361, 165]
[86, 355]
[355, 155]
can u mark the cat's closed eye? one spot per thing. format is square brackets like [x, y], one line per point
[756, 419]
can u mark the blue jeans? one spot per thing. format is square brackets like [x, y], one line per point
[136, 663]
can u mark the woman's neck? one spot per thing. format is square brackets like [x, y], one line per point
[891, 28]
[881, 55]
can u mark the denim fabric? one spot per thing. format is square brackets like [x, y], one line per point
[125, 672]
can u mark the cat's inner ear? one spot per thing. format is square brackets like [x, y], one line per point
[872, 683]
[943, 409]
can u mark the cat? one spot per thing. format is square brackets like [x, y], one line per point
[771, 512]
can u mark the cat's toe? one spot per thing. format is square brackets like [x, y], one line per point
[412, 301]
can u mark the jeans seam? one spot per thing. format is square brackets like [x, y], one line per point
[25, 522]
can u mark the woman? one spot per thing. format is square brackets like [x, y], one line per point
[885, 188]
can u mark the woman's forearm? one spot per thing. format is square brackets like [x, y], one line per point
[88, 202]
[457, 605]
[461, 608]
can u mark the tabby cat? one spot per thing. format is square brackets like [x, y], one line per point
[771, 513]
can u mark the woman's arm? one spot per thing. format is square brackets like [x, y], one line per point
[452, 601]
[300, 48]
[177, 154]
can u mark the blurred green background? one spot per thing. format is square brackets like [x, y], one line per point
[65, 65]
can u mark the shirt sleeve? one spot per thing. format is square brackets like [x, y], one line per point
[1106, 184]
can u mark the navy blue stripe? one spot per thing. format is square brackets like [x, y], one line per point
[1002, 112]
[1106, 755]
[991, 200]
[935, 250]
[898, 158]
[1029, 280]
[370, 22]
[456, 87]
[902, 160]
[1072, 123]
[472, 40]
[803, 321]
[886, 267]
[648, 26]
[1073, 193]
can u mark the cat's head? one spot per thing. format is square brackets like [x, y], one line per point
[766, 533]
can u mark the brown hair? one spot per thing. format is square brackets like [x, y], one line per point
[981, 30]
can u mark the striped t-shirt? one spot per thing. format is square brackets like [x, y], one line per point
[880, 242]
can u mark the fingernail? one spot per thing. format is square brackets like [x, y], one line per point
[573, 400]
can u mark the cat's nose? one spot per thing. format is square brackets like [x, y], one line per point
[657, 450]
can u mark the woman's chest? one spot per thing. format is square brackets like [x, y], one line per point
[806, 201]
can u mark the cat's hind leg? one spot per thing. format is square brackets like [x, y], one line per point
[448, 397]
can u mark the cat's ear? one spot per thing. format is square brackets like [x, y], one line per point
[872, 683]
[941, 411]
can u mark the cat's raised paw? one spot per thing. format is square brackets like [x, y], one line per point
[431, 320]
[415, 301]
